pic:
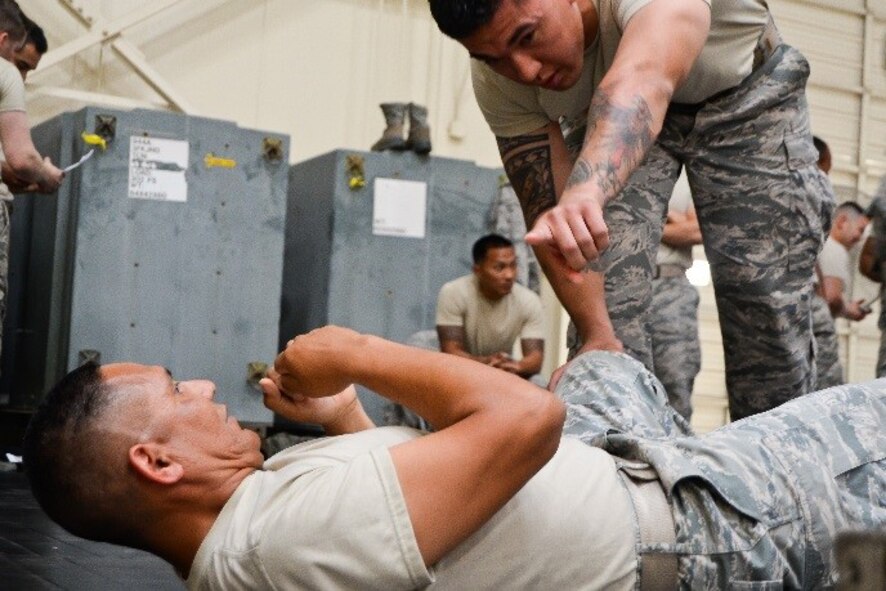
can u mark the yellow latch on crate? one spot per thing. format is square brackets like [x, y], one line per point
[94, 140]
[213, 161]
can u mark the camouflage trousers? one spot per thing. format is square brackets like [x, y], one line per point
[4, 264]
[764, 208]
[758, 500]
[673, 329]
[881, 356]
[829, 370]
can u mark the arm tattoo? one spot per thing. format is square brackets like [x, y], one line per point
[621, 135]
[532, 345]
[527, 161]
[451, 333]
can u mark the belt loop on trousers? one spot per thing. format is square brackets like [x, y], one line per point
[658, 570]
[769, 39]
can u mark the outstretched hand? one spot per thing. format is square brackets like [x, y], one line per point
[575, 230]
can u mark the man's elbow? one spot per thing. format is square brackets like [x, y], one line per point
[555, 416]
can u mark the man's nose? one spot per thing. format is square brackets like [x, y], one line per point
[525, 67]
[204, 388]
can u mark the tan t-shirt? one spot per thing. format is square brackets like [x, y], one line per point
[834, 261]
[490, 327]
[513, 109]
[329, 514]
[12, 98]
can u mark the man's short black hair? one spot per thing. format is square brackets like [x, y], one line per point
[58, 457]
[821, 146]
[851, 208]
[11, 20]
[484, 244]
[35, 35]
[461, 18]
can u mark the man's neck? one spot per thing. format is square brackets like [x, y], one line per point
[177, 534]
[590, 20]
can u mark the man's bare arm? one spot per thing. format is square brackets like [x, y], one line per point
[658, 48]
[681, 231]
[537, 165]
[21, 156]
[452, 341]
[338, 415]
[493, 430]
[533, 355]
[867, 261]
[15, 184]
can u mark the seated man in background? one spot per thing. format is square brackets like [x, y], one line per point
[480, 316]
[836, 280]
[493, 499]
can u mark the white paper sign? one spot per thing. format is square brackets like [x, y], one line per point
[157, 169]
[400, 208]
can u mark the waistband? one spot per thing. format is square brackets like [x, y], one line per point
[770, 40]
[668, 271]
[658, 570]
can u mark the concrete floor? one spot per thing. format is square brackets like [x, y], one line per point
[36, 554]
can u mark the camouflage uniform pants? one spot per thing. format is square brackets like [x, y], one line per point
[763, 207]
[829, 370]
[4, 263]
[758, 500]
[673, 329]
[881, 355]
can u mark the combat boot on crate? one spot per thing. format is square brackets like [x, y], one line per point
[392, 137]
[419, 140]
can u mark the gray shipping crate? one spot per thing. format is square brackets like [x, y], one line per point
[350, 263]
[166, 248]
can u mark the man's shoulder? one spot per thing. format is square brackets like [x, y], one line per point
[459, 285]
[12, 88]
[525, 294]
[10, 76]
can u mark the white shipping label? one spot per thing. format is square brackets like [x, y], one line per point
[399, 208]
[157, 169]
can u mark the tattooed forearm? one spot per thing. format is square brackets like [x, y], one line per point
[506, 145]
[532, 345]
[527, 161]
[617, 140]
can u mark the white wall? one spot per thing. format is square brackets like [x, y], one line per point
[313, 69]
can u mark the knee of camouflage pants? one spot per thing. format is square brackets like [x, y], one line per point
[607, 392]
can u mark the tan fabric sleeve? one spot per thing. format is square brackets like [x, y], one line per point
[534, 328]
[12, 88]
[450, 306]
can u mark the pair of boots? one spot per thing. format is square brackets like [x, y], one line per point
[419, 138]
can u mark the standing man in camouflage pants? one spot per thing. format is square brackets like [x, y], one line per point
[673, 322]
[872, 263]
[637, 89]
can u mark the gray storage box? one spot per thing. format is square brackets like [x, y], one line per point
[346, 266]
[166, 248]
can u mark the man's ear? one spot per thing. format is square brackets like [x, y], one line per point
[153, 462]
